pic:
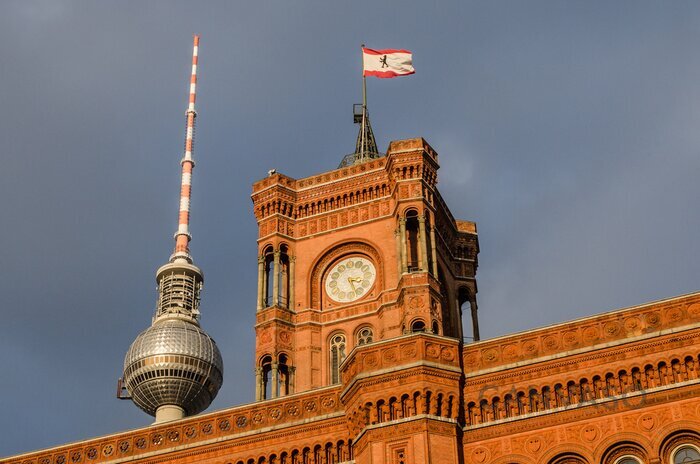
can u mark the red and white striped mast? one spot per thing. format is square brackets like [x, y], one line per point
[182, 236]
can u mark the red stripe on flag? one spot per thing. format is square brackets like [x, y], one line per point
[386, 74]
[388, 51]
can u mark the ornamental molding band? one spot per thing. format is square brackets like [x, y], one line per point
[645, 321]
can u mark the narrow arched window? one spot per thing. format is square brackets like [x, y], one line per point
[364, 336]
[412, 249]
[268, 277]
[283, 277]
[337, 356]
[265, 378]
[284, 375]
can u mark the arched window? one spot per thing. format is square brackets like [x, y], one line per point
[364, 336]
[436, 328]
[568, 459]
[418, 326]
[546, 396]
[265, 385]
[337, 355]
[412, 249]
[284, 277]
[465, 306]
[627, 460]
[625, 453]
[686, 454]
[284, 375]
[268, 277]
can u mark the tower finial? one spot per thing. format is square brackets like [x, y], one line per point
[366, 145]
[182, 236]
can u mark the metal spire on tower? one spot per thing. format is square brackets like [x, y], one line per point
[174, 368]
[366, 145]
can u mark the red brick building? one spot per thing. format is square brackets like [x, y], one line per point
[361, 357]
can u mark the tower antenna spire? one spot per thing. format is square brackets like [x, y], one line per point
[182, 236]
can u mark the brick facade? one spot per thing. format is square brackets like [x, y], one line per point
[616, 388]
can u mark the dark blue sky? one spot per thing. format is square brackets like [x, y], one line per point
[569, 131]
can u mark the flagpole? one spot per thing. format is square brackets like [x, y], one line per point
[363, 142]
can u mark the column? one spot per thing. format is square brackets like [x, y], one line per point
[397, 235]
[261, 278]
[423, 247]
[475, 321]
[433, 250]
[276, 278]
[458, 315]
[274, 378]
[292, 260]
[265, 296]
[291, 370]
[402, 232]
[258, 384]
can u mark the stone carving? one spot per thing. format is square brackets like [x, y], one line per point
[157, 439]
[224, 424]
[694, 311]
[390, 356]
[550, 343]
[480, 454]
[647, 422]
[491, 355]
[408, 351]
[533, 445]
[432, 350]
[328, 402]
[510, 352]
[310, 405]
[674, 314]
[275, 413]
[589, 433]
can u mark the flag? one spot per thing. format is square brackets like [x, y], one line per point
[387, 63]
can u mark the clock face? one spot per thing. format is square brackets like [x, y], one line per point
[350, 279]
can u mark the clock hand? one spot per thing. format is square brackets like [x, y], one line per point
[351, 280]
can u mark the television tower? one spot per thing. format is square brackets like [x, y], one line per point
[174, 369]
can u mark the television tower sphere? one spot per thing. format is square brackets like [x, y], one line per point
[174, 368]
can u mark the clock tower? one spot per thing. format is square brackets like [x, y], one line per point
[354, 256]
